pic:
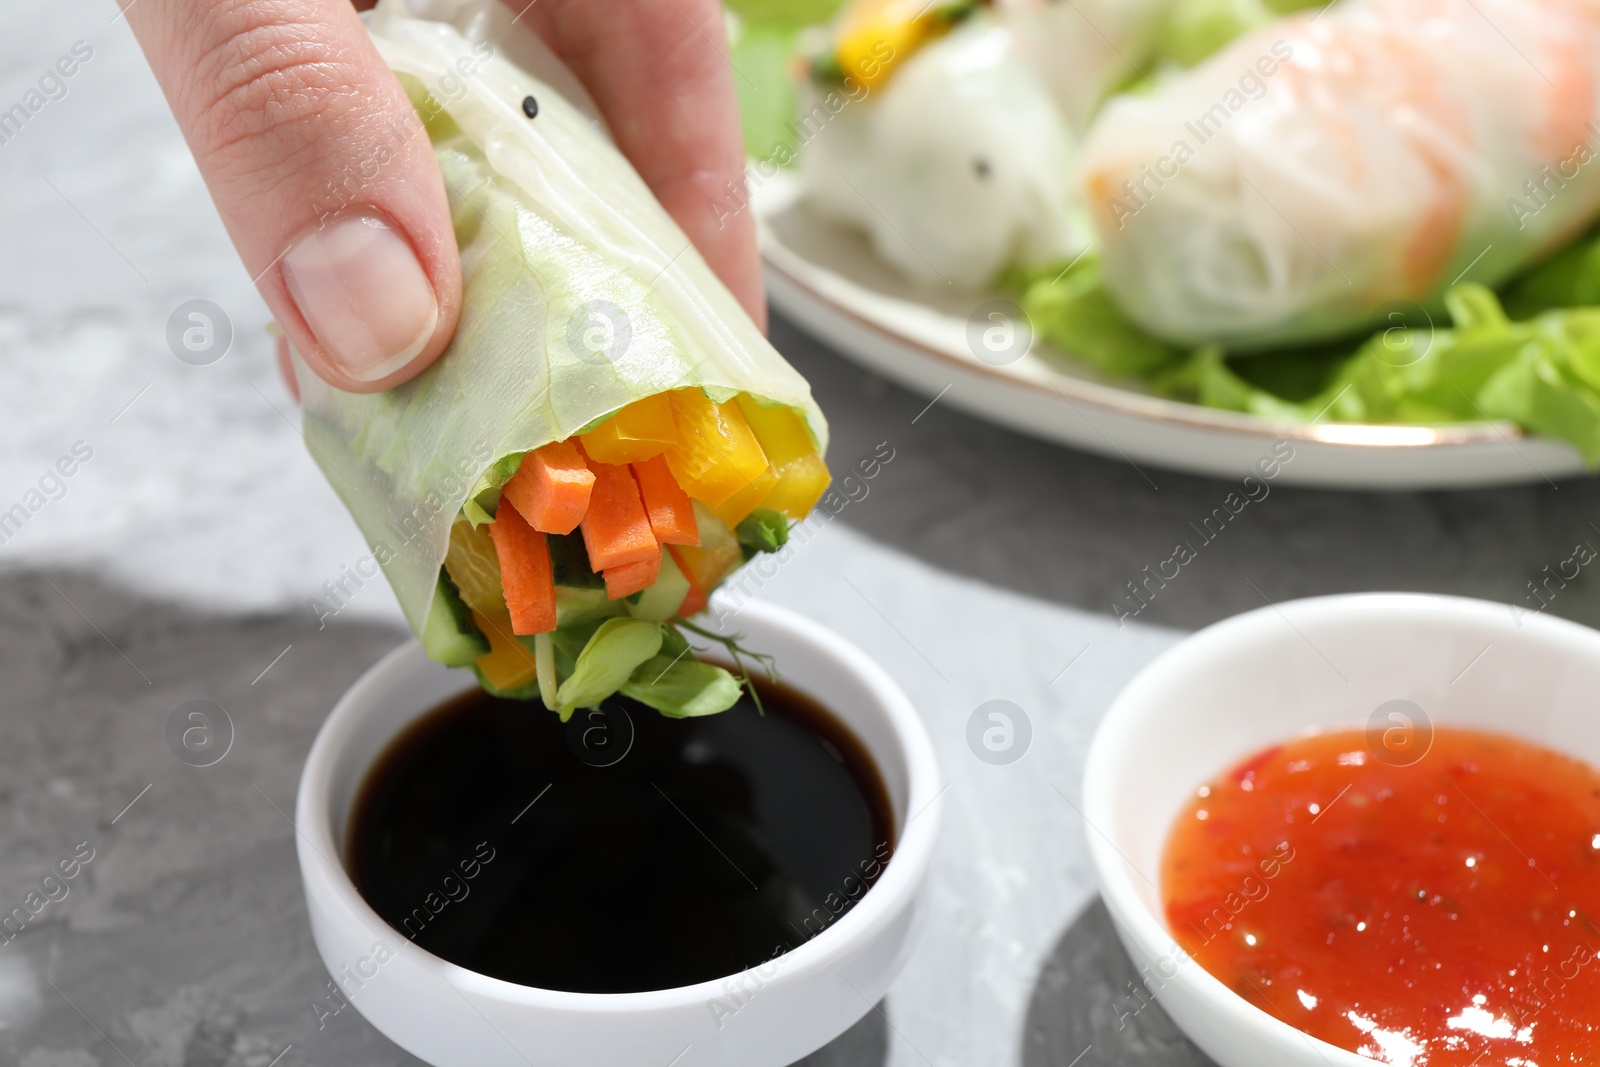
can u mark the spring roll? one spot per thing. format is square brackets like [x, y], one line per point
[607, 436]
[952, 165]
[1084, 49]
[1325, 168]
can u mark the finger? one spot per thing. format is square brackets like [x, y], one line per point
[659, 71]
[286, 368]
[322, 173]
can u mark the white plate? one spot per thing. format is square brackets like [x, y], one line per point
[826, 279]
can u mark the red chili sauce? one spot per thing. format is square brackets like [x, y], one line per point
[1445, 912]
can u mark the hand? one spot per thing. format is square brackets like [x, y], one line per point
[277, 98]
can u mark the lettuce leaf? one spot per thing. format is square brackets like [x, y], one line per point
[762, 49]
[682, 687]
[1539, 369]
[1074, 311]
[763, 530]
[1193, 30]
[607, 662]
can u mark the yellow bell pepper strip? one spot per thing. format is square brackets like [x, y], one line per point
[872, 37]
[716, 454]
[475, 568]
[802, 475]
[643, 429]
[734, 509]
[509, 664]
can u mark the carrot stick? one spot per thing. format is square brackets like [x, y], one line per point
[616, 529]
[671, 514]
[629, 578]
[551, 489]
[525, 572]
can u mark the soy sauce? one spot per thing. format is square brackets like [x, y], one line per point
[622, 851]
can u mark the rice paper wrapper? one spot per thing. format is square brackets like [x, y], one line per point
[1085, 48]
[581, 296]
[1329, 169]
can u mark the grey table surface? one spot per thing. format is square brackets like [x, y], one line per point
[975, 565]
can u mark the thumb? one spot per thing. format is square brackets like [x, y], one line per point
[322, 173]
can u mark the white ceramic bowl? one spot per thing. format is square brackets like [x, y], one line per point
[764, 1017]
[1279, 672]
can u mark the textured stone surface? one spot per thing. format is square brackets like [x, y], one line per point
[183, 941]
[1089, 1001]
[1074, 529]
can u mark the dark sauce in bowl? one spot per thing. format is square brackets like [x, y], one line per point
[622, 851]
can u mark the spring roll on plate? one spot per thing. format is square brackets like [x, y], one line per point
[1327, 167]
[607, 436]
[1086, 48]
[949, 157]
[946, 132]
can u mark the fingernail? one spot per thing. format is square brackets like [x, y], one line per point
[360, 288]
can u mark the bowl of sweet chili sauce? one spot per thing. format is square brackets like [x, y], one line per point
[1362, 829]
